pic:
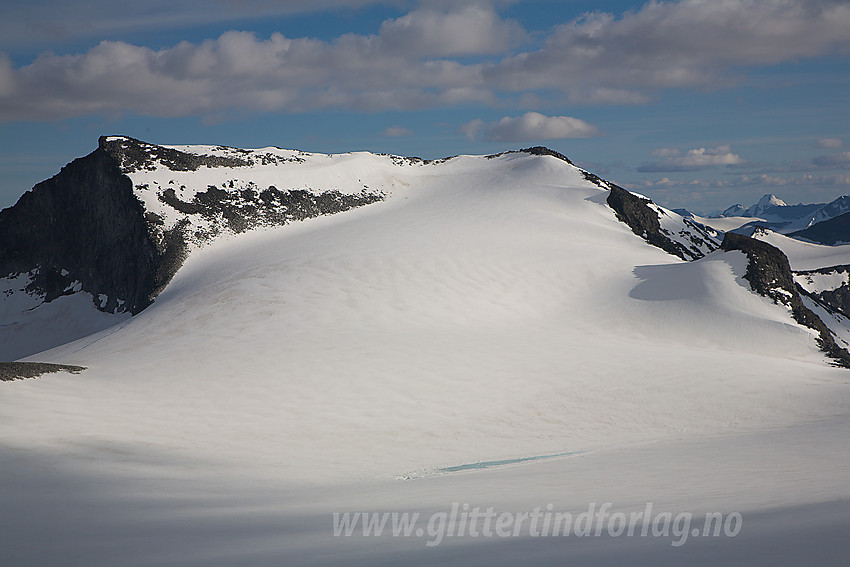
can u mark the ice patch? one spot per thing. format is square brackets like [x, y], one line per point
[480, 465]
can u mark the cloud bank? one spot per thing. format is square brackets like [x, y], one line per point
[693, 160]
[440, 54]
[530, 126]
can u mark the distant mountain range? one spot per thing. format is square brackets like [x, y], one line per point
[799, 221]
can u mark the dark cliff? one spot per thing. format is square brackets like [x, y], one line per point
[769, 274]
[84, 224]
[85, 229]
[644, 221]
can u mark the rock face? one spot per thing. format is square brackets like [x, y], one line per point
[85, 225]
[93, 228]
[683, 237]
[770, 275]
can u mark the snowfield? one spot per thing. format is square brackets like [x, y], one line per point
[488, 309]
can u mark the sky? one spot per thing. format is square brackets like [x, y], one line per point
[695, 103]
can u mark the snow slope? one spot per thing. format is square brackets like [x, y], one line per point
[488, 309]
[724, 224]
[806, 255]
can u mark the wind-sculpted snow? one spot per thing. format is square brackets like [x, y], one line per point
[487, 312]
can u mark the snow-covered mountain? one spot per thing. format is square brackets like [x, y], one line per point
[832, 231]
[764, 206]
[774, 213]
[102, 239]
[284, 336]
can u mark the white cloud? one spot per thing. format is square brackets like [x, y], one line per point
[829, 143]
[472, 128]
[235, 71]
[717, 194]
[473, 29]
[419, 60]
[529, 127]
[691, 43]
[693, 160]
[397, 132]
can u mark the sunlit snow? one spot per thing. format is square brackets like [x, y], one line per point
[488, 311]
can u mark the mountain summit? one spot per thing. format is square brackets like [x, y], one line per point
[98, 242]
[243, 342]
[766, 203]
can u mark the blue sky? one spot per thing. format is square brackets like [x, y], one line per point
[695, 103]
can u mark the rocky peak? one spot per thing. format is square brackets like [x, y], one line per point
[134, 155]
[95, 227]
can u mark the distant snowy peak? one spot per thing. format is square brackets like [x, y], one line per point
[774, 213]
[764, 205]
[831, 210]
[736, 210]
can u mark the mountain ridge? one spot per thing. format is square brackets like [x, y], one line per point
[774, 213]
[132, 212]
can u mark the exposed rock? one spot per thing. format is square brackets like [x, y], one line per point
[544, 151]
[769, 274]
[241, 210]
[83, 225]
[132, 155]
[19, 370]
[643, 217]
[87, 229]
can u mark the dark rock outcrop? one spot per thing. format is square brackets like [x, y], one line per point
[133, 155]
[18, 370]
[242, 209]
[544, 151]
[85, 229]
[83, 225]
[644, 221]
[769, 274]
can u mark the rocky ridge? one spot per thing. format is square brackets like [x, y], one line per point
[93, 228]
[769, 274]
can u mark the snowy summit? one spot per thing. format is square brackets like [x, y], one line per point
[272, 336]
